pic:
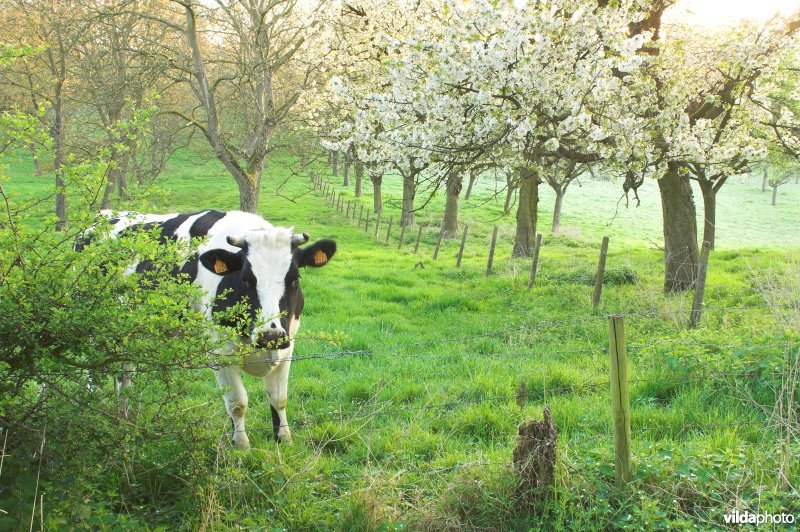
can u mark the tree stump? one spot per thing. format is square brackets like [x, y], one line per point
[535, 457]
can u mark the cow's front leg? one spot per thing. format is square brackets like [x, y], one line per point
[277, 384]
[230, 379]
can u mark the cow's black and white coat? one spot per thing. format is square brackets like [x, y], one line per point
[243, 258]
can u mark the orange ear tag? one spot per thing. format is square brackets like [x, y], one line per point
[220, 267]
[320, 257]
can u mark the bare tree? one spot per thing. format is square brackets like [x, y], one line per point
[243, 62]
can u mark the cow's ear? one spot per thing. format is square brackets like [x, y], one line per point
[222, 261]
[316, 255]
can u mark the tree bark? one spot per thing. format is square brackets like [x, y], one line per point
[37, 165]
[57, 134]
[454, 185]
[560, 191]
[527, 210]
[764, 180]
[248, 193]
[510, 188]
[348, 161]
[709, 212]
[774, 194]
[359, 173]
[409, 190]
[377, 200]
[473, 176]
[680, 231]
[335, 164]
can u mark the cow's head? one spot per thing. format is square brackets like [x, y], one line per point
[264, 275]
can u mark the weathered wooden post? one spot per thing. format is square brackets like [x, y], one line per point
[366, 223]
[461, 249]
[360, 212]
[700, 287]
[491, 251]
[419, 235]
[601, 270]
[438, 242]
[389, 229]
[620, 401]
[402, 235]
[377, 223]
[535, 263]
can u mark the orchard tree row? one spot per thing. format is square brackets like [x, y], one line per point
[437, 92]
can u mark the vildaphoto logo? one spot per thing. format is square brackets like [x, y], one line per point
[747, 518]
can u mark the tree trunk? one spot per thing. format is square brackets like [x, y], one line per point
[110, 186]
[680, 231]
[57, 134]
[359, 172]
[764, 181]
[709, 212]
[560, 191]
[348, 161]
[409, 190]
[527, 207]
[248, 192]
[37, 165]
[774, 194]
[377, 200]
[510, 188]
[335, 163]
[454, 185]
[473, 176]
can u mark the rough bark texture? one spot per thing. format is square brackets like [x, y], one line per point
[248, 195]
[535, 457]
[473, 176]
[557, 209]
[359, 173]
[774, 194]
[454, 185]
[377, 200]
[709, 213]
[409, 190]
[680, 231]
[527, 210]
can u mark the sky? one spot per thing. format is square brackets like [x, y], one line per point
[723, 12]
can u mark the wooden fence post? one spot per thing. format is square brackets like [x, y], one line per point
[700, 287]
[535, 263]
[491, 251]
[389, 229]
[461, 249]
[366, 223]
[601, 270]
[360, 212]
[419, 235]
[402, 234]
[377, 223]
[438, 242]
[620, 401]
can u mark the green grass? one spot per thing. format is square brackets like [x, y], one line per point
[409, 433]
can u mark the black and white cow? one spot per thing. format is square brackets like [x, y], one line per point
[243, 259]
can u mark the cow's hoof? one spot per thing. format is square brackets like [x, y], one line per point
[241, 441]
[285, 439]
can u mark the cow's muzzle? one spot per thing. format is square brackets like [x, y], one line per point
[272, 340]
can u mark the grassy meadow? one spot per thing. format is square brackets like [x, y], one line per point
[402, 400]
